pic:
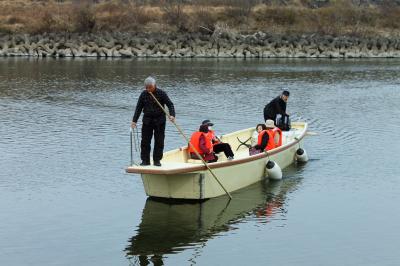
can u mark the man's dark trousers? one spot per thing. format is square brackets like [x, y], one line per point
[223, 147]
[147, 133]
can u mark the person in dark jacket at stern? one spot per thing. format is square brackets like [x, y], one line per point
[276, 106]
[153, 121]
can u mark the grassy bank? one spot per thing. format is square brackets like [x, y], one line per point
[325, 17]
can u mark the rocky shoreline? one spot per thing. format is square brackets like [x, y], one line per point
[216, 45]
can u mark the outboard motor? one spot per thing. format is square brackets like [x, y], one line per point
[283, 122]
[274, 171]
[301, 155]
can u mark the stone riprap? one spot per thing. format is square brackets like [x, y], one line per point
[258, 45]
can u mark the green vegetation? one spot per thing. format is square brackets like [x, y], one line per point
[326, 17]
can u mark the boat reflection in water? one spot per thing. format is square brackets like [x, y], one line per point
[171, 227]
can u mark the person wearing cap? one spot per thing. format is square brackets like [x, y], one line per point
[218, 145]
[276, 106]
[202, 143]
[153, 121]
[266, 137]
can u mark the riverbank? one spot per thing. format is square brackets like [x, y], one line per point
[219, 44]
[200, 28]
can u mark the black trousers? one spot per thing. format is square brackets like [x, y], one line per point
[225, 147]
[147, 133]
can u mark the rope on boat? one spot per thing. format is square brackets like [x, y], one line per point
[244, 143]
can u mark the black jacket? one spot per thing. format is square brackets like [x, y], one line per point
[274, 107]
[152, 113]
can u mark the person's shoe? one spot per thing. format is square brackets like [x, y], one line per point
[230, 158]
[143, 163]
[157, 163]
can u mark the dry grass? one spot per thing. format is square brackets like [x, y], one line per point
[338, 17]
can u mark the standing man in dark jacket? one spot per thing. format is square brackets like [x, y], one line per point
[153, 121]
[276, 106]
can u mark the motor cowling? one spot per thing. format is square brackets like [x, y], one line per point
[273, 170]
[301, 155]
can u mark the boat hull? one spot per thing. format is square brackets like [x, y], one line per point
[201, 184]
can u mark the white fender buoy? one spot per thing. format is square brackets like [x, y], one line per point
[274, 171]
[301, 155]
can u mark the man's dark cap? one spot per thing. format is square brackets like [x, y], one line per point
[207, 122]
[286, 93]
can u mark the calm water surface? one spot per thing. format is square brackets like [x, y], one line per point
[64, 143]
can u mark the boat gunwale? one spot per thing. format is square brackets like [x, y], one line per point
[202, 167]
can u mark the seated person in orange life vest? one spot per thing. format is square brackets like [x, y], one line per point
[203, 145]
[254, 137]
[270, 138]
[218, 145]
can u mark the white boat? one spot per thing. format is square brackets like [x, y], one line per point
[180, 177]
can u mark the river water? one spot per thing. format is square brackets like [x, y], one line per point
[64, 143]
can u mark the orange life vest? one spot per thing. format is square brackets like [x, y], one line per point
[277, 130]
[211, 135]
[271, 142]
[195, 141]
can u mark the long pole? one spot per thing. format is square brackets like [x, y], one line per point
[188, 141]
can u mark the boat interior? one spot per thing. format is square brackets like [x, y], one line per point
[238, 140]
